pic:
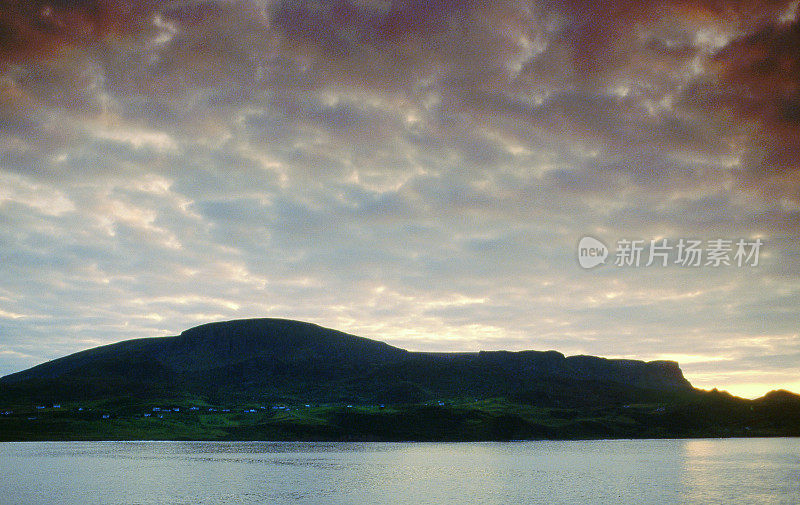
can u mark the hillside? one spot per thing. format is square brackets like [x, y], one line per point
[282, 379]
[278, 360]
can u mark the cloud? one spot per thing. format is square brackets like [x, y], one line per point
[419, 172]
[37, 29]
[759, 73]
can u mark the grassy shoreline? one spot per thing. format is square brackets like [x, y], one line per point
[485, 420]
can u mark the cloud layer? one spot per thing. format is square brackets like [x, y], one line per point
[418, 172]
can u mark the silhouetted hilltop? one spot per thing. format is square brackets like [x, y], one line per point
[279, 358]
[270, 379]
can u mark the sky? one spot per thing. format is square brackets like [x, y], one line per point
[418, 172]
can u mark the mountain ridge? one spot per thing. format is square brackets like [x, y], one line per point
[238, 342]
[278, 379]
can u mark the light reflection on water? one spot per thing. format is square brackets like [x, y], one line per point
[767, 471]
[663, 472]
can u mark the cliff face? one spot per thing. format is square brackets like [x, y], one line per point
[553, 364]
[651, 374]
[275, 358]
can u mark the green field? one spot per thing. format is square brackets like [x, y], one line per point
[709, 414]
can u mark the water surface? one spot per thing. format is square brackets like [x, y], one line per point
[619, 472]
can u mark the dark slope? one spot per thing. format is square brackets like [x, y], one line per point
[221, 344]
[277, 359]
[273, 379]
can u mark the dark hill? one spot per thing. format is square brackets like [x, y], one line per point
[221, 344]
[273, 379]
[279, 360]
